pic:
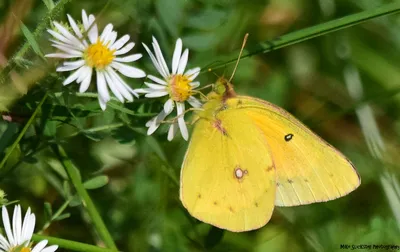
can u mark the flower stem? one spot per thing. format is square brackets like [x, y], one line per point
[315, 31]
[70, 245]
[22, 133]
[75, 177]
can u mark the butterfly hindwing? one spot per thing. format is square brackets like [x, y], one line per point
[228, 176]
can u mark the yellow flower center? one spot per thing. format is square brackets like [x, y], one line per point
[179, 88]
[98, 55]
[19, 249]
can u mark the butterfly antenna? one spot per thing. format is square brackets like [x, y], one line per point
[240, 55]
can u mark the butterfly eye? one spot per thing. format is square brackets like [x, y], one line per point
[219, 87]
[288, 137]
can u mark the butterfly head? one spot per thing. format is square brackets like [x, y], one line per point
[222, 89]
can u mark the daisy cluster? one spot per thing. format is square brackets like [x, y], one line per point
[86, 53]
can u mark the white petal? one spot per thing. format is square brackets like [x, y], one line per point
[195, 84]
[30, 228]
[74, 26]
[86, 81]
[173, 129]
[61, 55]
[85, 20]
[93, 34]
[129, 71]
[25, 235]
[120, 84]
[192, 73]
[17, 224]
[73, 76]
[113, 86]
[183, 61]
[195, 103]
[68, 50]
[160, 57]
[155, 61]
[151, 121]
[69, 67]
[69, 46]
[156, 94]
[50, 249]
[91, 19]
[125, 49]
[180, 106]
[177, 55]
[111, 39]
[129, 58]
[7, 226]
[120, 42]
[155, 86]
[103, 104]
[154, 123]
[152, 128]
[169, 106]
[41, 245]
[102, 86]
[61, 38]
[68, 35]
[158, 80]
[106, 32]
[86, 70]
[4, 243]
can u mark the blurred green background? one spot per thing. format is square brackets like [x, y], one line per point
[343, 85]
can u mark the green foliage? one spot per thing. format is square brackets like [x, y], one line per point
[94, 177]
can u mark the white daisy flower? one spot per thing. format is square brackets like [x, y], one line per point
[103, 54]
[19, 235]
[178, 85]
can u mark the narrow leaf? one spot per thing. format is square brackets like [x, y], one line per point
[96, 182]
[31, 40]
[49, 4]
[62, 217]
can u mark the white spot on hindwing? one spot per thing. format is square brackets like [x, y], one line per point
[239, 173]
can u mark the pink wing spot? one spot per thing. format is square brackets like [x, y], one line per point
[218, 125]
[239, 173]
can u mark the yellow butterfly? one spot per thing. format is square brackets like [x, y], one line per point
[247, 155]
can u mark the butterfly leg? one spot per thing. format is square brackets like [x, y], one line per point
[175, 119]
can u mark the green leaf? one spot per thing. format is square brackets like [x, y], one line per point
[67, 189]
[213, 237]
[31, 40]
[201, 41]
[207, 20]
[96, 182]
[155, 146]
[30, 160]
[75, 201]
[22, 133]
[171, 14]
[49, 4]
[48, 212]
[62, 217]
[8, 135]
